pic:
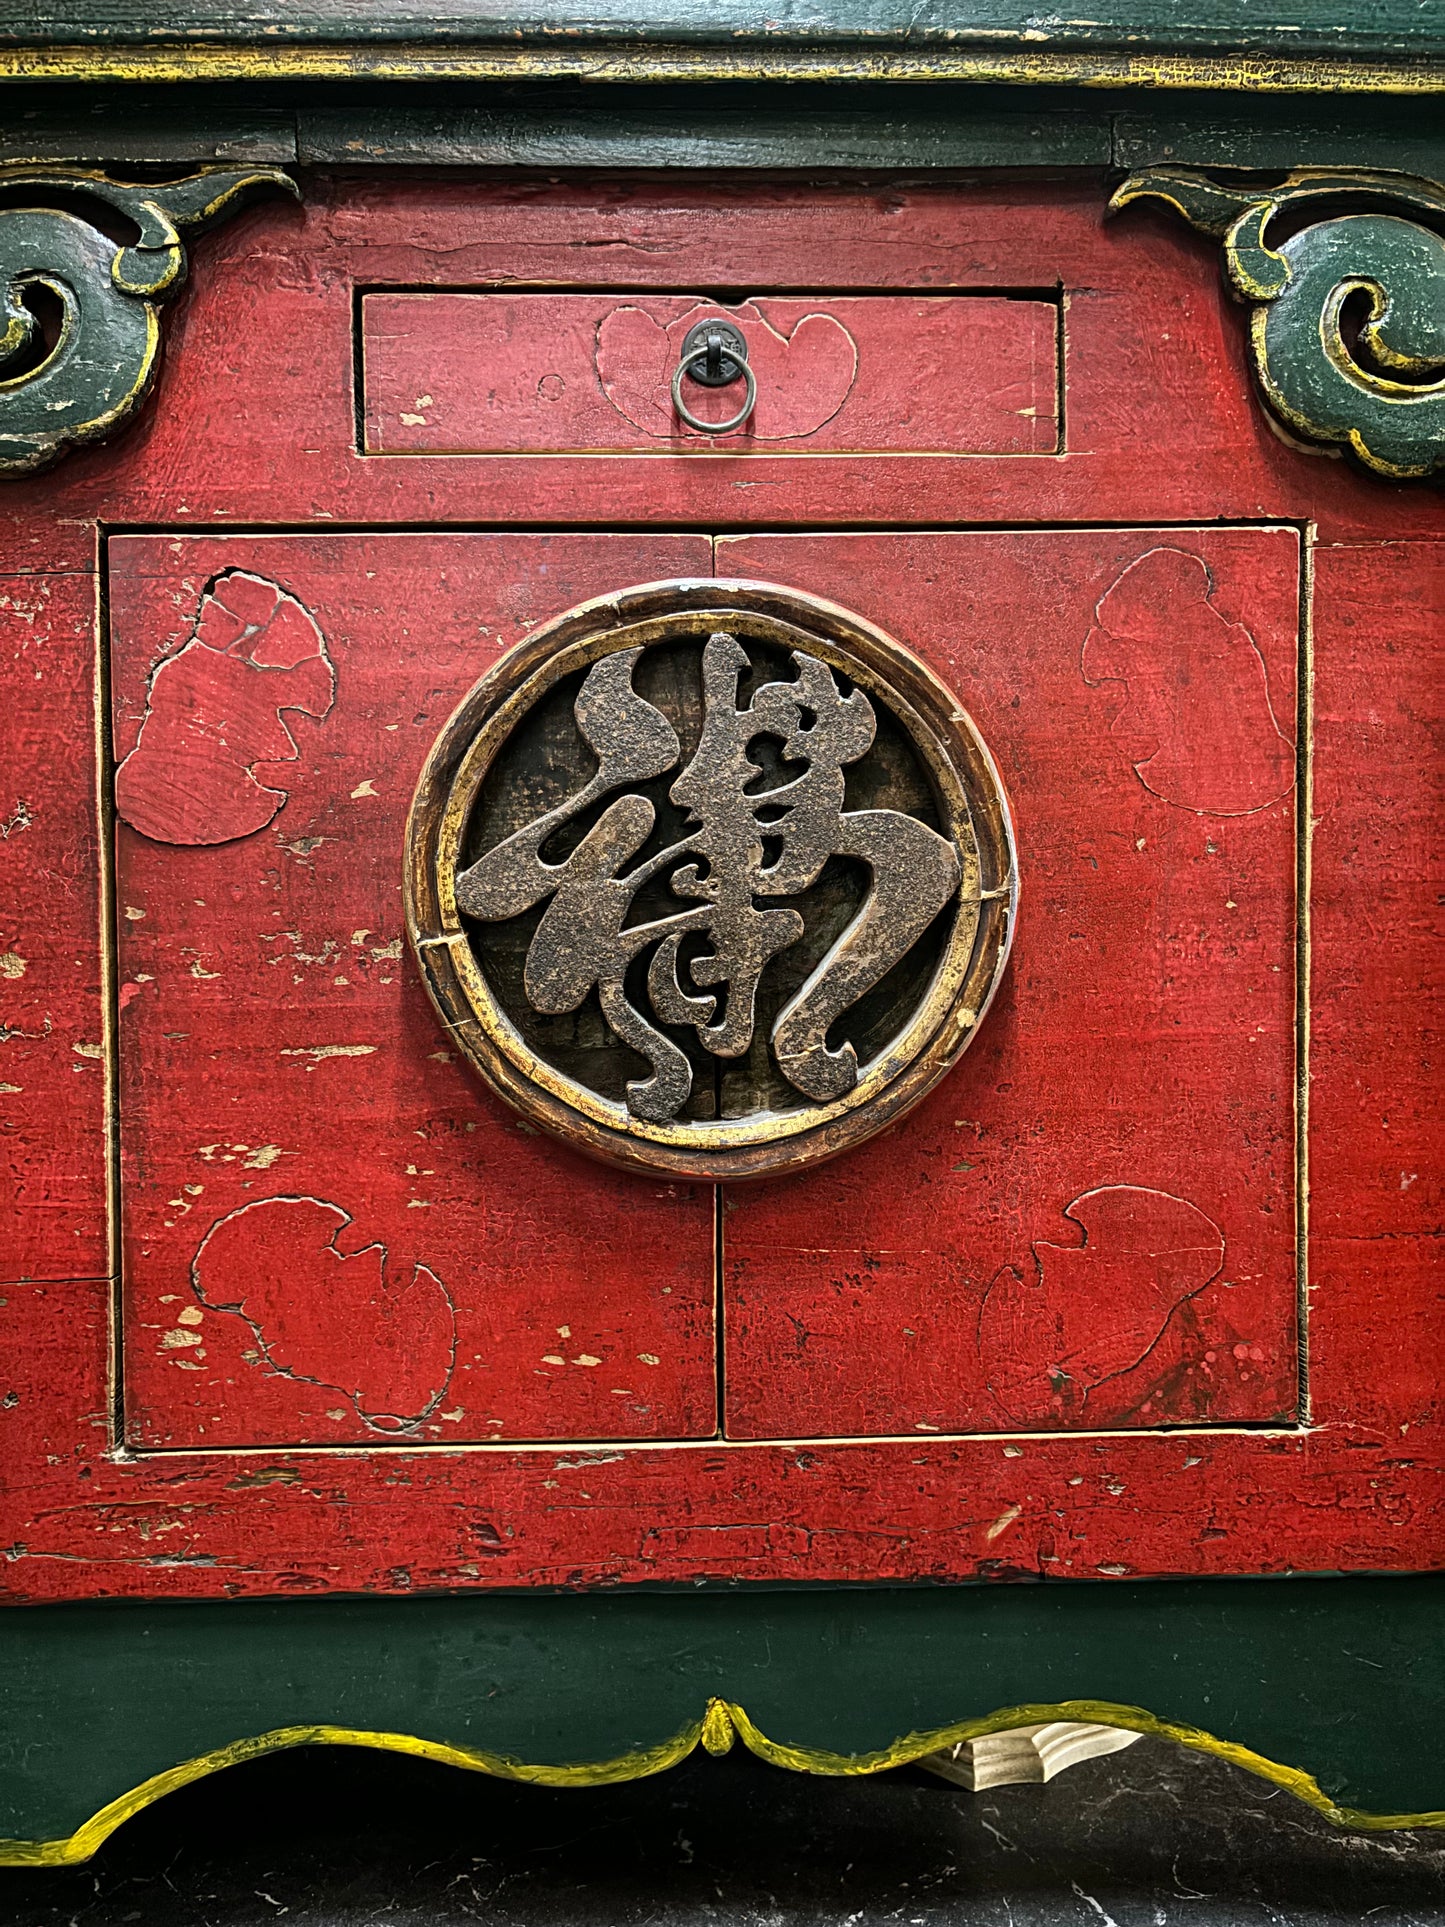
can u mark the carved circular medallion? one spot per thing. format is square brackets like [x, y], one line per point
[710, 878]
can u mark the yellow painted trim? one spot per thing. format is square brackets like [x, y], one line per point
[1248, 73]
[1395, 393]
[722, 1723]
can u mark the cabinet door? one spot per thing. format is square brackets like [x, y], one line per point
[1091, 1223]
[331, 1234]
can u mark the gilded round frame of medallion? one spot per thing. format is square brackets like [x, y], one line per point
[971, 803]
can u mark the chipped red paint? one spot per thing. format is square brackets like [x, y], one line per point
[216, 713]
[1144, 1035]
[841, 373]
[52, 1024]
[280, 1013]
[1132, 1092]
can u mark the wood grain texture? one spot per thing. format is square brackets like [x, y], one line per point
[733, 126]
[1340, 131]
[1321, 25]
[256, 431]
[589, 374]
[75, 125]
[723, 125]
[1376, 990]
[1133, 1089]
[198, 1525]
[277, 1045]
[52, 1050]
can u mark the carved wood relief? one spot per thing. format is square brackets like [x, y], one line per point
[83, 378]
[711, 877]
[1345, 274]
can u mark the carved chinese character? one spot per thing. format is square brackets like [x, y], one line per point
[585, 939]
[713, 890]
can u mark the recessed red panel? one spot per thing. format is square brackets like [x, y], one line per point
[332, 1234]
[519, 372]
[1091, 1224]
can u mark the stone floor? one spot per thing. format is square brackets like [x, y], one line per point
[1154, 1837]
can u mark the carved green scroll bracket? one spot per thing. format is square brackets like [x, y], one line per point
[1348, 322]
[86, 382]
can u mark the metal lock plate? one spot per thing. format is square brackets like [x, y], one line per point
[722, 369]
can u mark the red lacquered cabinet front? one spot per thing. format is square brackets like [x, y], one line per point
[1141, 1285]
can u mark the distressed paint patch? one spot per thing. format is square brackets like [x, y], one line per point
[1197, 722]
[330, 1317]
[1054, 1343]
[215, 716]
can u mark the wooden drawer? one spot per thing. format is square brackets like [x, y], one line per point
[561, 373]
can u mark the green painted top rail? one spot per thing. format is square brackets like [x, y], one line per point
[1286, 29]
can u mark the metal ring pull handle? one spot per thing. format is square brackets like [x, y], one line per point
[714, 354]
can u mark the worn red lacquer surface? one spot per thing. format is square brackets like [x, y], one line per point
[359, 1242]
[999, 1257]
[842, 374]
[371, 1331]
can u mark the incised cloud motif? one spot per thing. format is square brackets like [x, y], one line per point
[215, 715]
[330, 1317]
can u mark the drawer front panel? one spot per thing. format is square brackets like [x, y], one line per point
[542, 373]
[331, 1232]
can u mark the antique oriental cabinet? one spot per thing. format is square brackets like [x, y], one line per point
[719, 892]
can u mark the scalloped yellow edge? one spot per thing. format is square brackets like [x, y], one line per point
[722, 1723]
